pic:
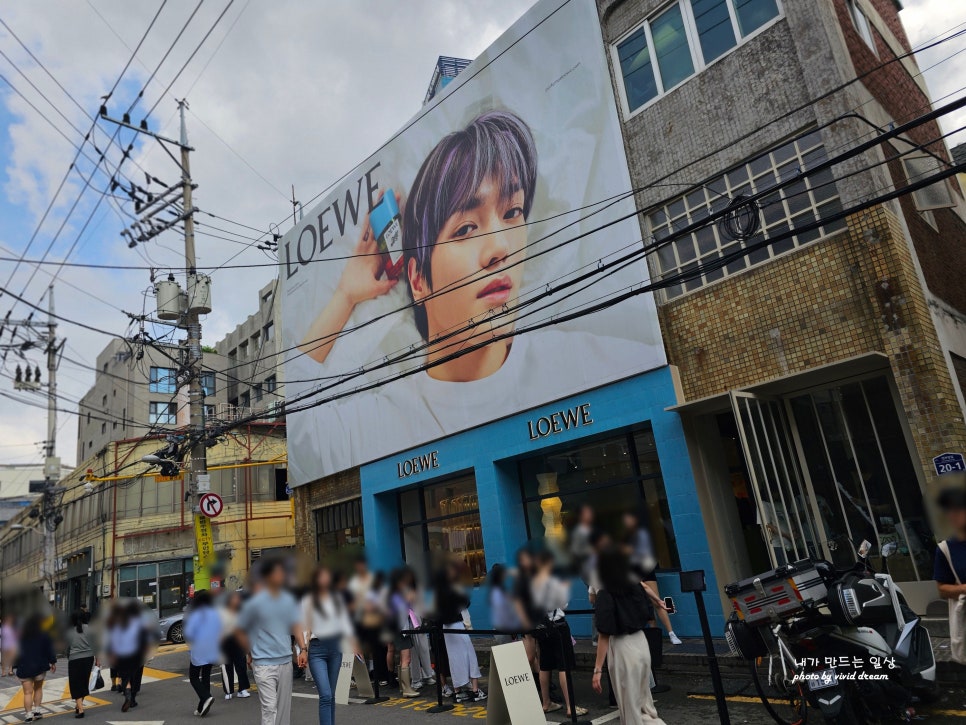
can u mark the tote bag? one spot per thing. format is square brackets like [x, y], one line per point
[957, 615]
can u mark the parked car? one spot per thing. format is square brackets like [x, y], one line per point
[172, 628]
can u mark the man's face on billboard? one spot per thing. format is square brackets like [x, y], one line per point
[471, 262]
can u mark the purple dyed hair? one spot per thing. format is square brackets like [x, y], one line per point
[495, 144]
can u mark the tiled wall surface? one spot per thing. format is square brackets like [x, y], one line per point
[819, 305]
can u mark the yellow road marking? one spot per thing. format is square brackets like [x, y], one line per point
[159, 674]
[756, 700]
[729, 698]
[16, 702]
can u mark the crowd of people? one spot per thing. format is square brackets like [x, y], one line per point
[412, 630]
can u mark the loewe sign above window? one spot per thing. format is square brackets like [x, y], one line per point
[417, 464]
[559, 421]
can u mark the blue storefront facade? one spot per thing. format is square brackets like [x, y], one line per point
[485, 492]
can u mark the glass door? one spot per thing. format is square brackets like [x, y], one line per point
[785, 506]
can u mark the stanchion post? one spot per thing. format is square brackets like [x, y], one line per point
[374, 679]
[434, 636]
[565, 649]
[693, 581]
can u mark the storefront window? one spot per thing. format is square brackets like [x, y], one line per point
[337, 527]
[864, 479]
[614, 475]
[443, 517]
[162, 586]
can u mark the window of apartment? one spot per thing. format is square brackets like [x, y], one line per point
[114, 425]
[934, 196]
[243, 350]
[269, 331]
[337, 527]
[801, 201]
[233, 355]
[104, 401]
[103, 428]
[163, 380]
[256, 340]
[443, 517]
[208, 383]
[862, 24]
[246, 399]
[88, 418]
[257, 391]
[210, 411]
[162, 413]
[683, 39]
[270, 384]
[615, 475]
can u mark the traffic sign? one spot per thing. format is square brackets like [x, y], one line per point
[949, 463]
[211, 505]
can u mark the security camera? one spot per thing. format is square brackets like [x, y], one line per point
[88, 487]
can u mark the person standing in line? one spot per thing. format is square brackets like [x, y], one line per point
[503, 615]
[551, 596]
[8, 645]
[526, 611]
[266, 625]
[463, 666]
[35, 659]
[621, 613]
[640, 550]
[202, 632]
[326, 619]
[402, 595]
[125, 641]
[81, 658]
[235, 662]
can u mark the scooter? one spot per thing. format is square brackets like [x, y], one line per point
[843, 642]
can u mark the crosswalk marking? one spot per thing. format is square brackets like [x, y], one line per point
[57, 692]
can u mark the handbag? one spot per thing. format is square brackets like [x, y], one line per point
[96, 682]
[957, 614]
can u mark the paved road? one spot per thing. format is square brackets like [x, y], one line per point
[167, 698]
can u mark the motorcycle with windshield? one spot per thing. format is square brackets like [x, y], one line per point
[843, 642]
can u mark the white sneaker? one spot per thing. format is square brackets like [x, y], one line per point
[244, 693]
[447, 691]
[674, 638]
[228, 696]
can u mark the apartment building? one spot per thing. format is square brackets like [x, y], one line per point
[136, 392]
[251, 351]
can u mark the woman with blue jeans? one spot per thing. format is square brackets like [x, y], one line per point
[327, 624]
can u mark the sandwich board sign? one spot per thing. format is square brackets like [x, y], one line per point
[352, 666]
[514, 699]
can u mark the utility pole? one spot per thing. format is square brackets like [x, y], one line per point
[51, 462]
[198, 464]
[184, 307]
[48, 512]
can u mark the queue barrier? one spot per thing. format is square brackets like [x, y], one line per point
[564, 644]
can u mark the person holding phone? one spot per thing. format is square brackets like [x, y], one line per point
[620, 609]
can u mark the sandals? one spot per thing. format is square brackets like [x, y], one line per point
[553, 707]
[581, 711]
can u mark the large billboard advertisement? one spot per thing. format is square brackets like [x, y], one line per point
[437, 286]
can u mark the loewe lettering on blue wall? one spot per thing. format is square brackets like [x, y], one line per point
[559, 421]
[418, 464]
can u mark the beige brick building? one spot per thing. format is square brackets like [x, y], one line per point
[818, 373]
